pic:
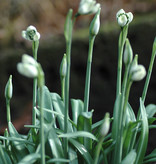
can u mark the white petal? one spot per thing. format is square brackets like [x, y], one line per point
[27, 70]
[122, 20]
[29, 28]
[28, 60]
[130, 17]
[121, 11]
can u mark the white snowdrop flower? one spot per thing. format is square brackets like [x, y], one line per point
[28, 67]
[88, 7]
[31, 34]
[124, 18]
[138, 72]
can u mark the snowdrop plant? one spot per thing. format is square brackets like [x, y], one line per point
[56, 137]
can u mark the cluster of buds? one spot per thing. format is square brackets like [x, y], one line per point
[88, 7]
[31, 34]
[124, 18]
[28, 67]
[137, 71]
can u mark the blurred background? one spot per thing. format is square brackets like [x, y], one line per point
[48, 17]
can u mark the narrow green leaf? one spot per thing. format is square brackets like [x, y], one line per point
[78, 134]
[130, 158]
[150, 160]
[58, 106]
[85, 124]
[55, 144]
[83, 151]
[31, 158]
[4, 157]
[152, 155]
[144, 135]
[77, 109]
[60, 160]
[150, 110]
[47, 103]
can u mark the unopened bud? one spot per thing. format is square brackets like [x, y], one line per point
[9, 89]
[106, 125]
[95, 24]
[128, 53]
[63, 67]
[138, 72]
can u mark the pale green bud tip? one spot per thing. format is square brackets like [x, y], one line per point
[9, 88]
[63, 67]
[31, 34]
[88, 7]
[123, 18]
[28, 66]
[138, 72]
[128, 53]
[95, 24]
[106, 125]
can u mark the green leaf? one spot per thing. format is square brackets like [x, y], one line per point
[128, 133]
[18, 146]
[144, 135]
[58, 105]
[55, 144]
[4, 157]
[83, 151]
[85, 124]
[77, 109]
[150, 160]
[47, 103]
[31, 158]
[60, 160]
[150, 110]
[78, 134]
[130, 158]
[152, 155]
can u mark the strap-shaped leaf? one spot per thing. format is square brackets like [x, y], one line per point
[144, 135]
[83, 151]
[55, 144]
[47, 103]
[58, 106]
[130, 158]
[31, 158]
[77, 109]
[150, 110]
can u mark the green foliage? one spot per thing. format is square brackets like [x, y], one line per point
[57, 137]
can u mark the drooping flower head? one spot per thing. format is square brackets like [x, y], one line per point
[31, 34]
[123, 18]
[28, 66]
[88, 7]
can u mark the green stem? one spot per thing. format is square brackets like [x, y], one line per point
[41, 85]
[62, 88]
[66, 96]
[88, 74]
[8, 110]
[122, 39]
[35, 49]
[98, 149]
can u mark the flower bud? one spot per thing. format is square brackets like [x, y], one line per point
[28, 66]
[9, 89]
[124, 18]
[138, 73]
[95, 24]
[88, 7]
[128, 53]
[31, 34]
[63, 67]
[106, 125]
